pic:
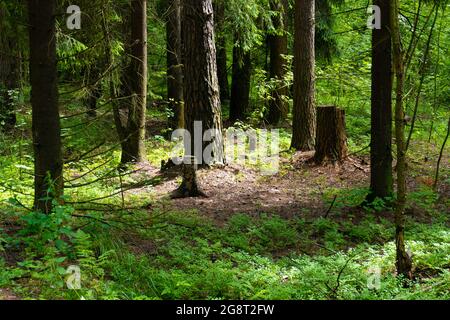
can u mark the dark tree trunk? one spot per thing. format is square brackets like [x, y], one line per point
[94, 96]
[278, 44]
[331, 140]
[221, 47]
[174, 65]
[95, 91]
[240, 85]
[44, 101]
[130, 116]
[304, 113]
[381, 182]
[9, 76]
[201, 89]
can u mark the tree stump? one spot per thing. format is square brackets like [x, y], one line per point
[331, 138]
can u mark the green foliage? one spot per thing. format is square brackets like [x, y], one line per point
[42, 230]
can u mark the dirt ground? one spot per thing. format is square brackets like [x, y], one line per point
[297, 189]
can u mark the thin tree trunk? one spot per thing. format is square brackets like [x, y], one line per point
[381, 180]
[201, 92]
[174, 65]
[422, 79]
[132, 116]
[278, 43]
[9, 75]
[240, 85]
[221, 47]
[304, 113]
[95, 93]
[403, 260]
[436, 177]
[44, 101]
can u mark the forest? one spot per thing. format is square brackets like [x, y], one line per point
[224, 150]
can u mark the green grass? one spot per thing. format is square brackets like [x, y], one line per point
[182, 255]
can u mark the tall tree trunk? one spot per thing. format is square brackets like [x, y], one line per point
[174, 65]
[403, 261]
[381, 181]
[240, 85]
[9, 75]
[46, 129]
[304, 113]
[201, 91]
[221, 47]
[278, 44]
[130, 118]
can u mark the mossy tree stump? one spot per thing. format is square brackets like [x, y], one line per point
[331, 138]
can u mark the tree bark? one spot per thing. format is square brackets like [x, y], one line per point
[174, 65]
[278, 44]
[381, 180]
[403, 259]
[331, 141]
[46, 129]
[304, 113]
[130, 118]
[95, 92]
[221, 47]
[240, 85]
[201, 91]
[9, 75]
[441, 154]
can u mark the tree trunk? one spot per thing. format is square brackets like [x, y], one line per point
[95, 92]
[221, 47]
[441, 154]
[403, 260]
[9, 75]
[174, 65]
[201, 91]
[278, 44]
[94, 96]
[381, 181]
[130, 118]
[304, 113]
[240, 85]
[331, 141]
[46, 129]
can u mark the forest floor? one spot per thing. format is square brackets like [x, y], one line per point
[301, 233]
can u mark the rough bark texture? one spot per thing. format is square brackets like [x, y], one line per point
[381, 181]
[278, 45]
[331, 141]
[44, 101]
[201, 88]
[130, 118]
[240, 85]
[403, 260]
[221, 47]
[304, 113]
[174, 65]
[9, 75]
